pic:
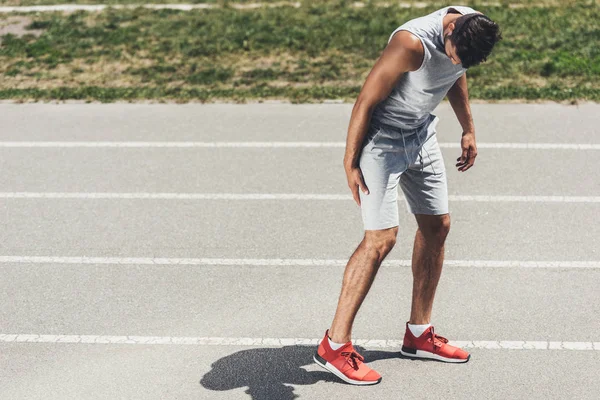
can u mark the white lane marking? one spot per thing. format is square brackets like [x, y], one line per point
[531, 146]
[280, 196]
[284, 262]
[246, 341]
[182, 144]
[527, 199]
[171, 196]
[175, 144]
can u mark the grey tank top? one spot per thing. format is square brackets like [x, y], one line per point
[417, 93]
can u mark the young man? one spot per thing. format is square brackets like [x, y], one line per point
[391, 140]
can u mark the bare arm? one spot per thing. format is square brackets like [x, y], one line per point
[458, 95]
[402, 54]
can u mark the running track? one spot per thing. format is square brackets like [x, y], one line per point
[196, 251]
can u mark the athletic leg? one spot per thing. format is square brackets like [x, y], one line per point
[425, 187]
[358, 277]
[379, 209]
[427, 261]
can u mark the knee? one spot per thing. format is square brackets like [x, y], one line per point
[380, 243]
[444, 227]
[437, 230]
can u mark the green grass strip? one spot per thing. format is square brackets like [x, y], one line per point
[318, 51]
[226, 2]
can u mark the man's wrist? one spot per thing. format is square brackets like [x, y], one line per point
[350, 162]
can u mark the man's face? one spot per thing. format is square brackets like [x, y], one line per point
[451, 50]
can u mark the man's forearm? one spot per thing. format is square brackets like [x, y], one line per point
[357, 130]
[458, 96]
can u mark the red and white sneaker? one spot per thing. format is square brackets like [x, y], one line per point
[431, 346]
[345, 363]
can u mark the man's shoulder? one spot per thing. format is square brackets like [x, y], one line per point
[408, 45]
[407, 40]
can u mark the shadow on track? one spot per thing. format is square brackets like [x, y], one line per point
[268, 373]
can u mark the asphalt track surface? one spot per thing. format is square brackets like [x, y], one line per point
[207, 292]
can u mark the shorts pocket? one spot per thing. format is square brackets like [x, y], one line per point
[386, 140]
[373, 133]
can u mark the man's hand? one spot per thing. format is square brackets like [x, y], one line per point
[356, 182]
[469, 152]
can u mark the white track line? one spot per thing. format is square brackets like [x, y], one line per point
[181, 144]
[280, 196]
[232, 341]
[285, 262]
[527, 199]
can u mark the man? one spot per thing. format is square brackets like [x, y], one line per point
[391, 140]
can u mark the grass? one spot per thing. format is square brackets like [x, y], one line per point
[51, 2]
[222, 2]
[319, 51]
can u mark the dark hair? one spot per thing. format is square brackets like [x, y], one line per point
[474, 36]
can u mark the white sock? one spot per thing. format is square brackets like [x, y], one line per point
[417, 330]
[334, 345]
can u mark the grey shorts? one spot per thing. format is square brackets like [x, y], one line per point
[411, 157]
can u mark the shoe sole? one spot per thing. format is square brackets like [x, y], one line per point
[324, 364]
[420, 355]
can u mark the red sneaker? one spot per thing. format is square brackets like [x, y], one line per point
[431, 346]
[345, 363]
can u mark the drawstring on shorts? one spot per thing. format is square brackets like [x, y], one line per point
[421, 156]
[417, 131]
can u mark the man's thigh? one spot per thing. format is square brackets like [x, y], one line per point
[381, 166]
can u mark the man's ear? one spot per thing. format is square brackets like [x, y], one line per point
[450, 28]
